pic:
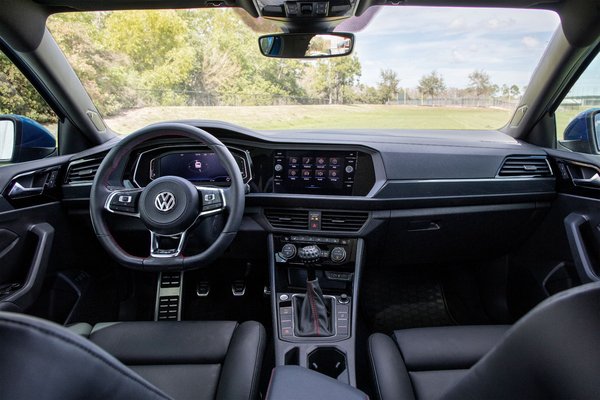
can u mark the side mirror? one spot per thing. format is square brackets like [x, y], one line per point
[306, 45]
[23, 139]
[583, 132]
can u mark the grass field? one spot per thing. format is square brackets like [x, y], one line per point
[321, 116]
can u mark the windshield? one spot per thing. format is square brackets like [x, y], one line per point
[412, 68]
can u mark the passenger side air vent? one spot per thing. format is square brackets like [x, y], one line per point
[287, 219]
[346, 221]
[82, 171]
[525, 166]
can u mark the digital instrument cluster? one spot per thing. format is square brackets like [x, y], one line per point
[200, 166]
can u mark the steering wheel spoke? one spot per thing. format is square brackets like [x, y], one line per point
[124, 202]
[214, 200]
[167, 246]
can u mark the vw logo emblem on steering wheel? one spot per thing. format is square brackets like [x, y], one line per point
[164, 201]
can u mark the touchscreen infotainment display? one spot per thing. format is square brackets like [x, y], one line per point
[193, 166]
[314, 172]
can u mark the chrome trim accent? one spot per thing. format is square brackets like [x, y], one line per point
[117, 193]
[84, 183]
[545, 158]
[154, 244]
[215, 211]
[164, 201]
[463, 180]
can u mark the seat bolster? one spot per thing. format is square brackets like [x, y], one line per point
[390, 374]
[43, 360]
[450, 347]
[241, 369]
[552, 352]
[166, 342]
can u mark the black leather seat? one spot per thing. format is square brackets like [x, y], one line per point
[552, 352]
[147, 360]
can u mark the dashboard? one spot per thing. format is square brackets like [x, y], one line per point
[289, 170]
[396, 189]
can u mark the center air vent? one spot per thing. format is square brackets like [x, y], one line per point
[82, 171]
[287, 219]
[346, 221]
[525, 166]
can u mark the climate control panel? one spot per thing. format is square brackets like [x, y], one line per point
[309, 250]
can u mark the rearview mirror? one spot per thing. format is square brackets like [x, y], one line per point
[23, 139]
[306, 45]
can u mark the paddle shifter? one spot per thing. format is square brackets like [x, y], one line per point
[313, 310]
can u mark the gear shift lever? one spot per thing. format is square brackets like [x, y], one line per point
[313, 311]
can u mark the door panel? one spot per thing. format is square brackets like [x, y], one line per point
[30, 228]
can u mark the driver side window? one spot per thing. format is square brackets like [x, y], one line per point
[28, 126]
[578, 116]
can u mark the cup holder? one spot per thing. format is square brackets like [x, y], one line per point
[328, 361]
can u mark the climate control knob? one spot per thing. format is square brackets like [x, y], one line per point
[338, 254]
[309, 254]
[288, 251]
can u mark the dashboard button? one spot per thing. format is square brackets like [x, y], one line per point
[338, 254]
[288, 251]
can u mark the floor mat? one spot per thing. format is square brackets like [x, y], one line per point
[392, 300]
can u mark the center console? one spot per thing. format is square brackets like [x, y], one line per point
[314, 281]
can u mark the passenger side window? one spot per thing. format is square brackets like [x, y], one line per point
[28, 126]
[578, 116]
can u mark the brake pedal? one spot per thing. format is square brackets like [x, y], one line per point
[238, 288]
[202, 289]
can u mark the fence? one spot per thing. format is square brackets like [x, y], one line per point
[158, 97]
[486, 102]
[579, 102]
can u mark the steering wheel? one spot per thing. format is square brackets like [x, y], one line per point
[169, 206]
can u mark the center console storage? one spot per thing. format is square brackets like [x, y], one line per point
[292, 382]
[314, 282]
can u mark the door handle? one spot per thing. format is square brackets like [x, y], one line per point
[575, 225]
[593, 182]
[19, 191]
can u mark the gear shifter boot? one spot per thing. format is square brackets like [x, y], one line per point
[313, 312]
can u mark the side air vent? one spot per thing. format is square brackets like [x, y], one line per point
[346, 221]
[525, 166]
[287, 219]
[82, 171]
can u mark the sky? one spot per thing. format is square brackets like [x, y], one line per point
[413, 41]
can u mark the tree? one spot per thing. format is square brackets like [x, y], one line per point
[480, 83]
[432, 84]
[515, 91]
[335, 74]
[18, 96]
[388, 87]
[105, 74]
